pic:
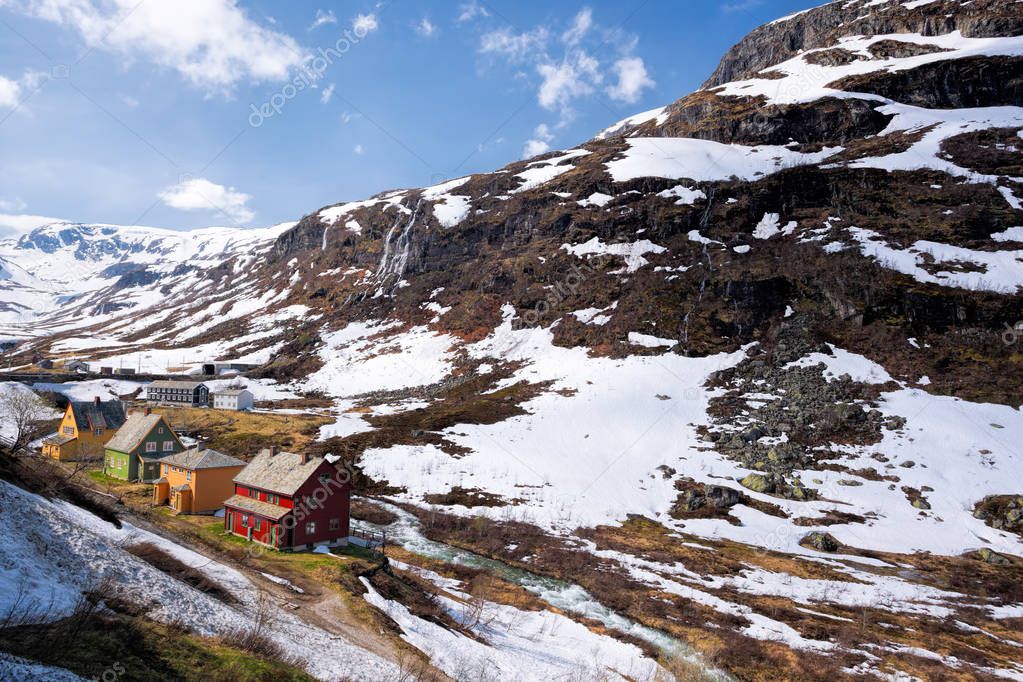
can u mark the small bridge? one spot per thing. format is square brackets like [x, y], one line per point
[370, 539]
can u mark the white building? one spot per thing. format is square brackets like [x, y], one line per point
[232, 399]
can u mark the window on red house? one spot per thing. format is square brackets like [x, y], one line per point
[310, 528]
[259, 524]
[335, 524]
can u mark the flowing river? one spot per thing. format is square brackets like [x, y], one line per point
[564, 596]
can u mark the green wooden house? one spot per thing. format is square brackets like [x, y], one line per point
[135, 451]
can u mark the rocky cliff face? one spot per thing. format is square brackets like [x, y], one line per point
[863, 158]
[824, 26]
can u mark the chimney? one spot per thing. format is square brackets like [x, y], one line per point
[305, 457]
[148, 411]
[200, 446]
[96, 399]
[273, 450]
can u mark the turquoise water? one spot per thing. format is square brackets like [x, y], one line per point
[565, 596]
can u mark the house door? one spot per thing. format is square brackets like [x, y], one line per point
[248, 534]
[273, 536]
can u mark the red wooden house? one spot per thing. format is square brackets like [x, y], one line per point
[287, 501]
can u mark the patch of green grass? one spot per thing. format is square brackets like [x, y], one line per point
[104, 479]
[354, 551]
[214, 534]
[130, 648]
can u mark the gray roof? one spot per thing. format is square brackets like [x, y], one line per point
[202, 459]
[281, 473]
[134, 430]
[265, 509]
[233, 391]
[188, 385]
[106, 414]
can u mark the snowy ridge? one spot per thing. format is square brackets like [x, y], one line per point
[64, 266]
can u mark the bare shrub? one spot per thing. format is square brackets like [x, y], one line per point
[256, 639]
[682, 669]
[26, 416]
[364, 510]
[414, 667]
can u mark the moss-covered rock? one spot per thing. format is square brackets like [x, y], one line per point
[759, 483]
[823, 542]
[989, 556]
[1004, 512]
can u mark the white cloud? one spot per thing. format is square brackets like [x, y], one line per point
[327, 93]
[212, 44]
[10, 93]
[632, 80]
[576, 76]
[364, 24]
[426, 28]
[347, 117]
[15, 205]
[359, 149]
[18, 224]
[740, 6]
[322, 19]
[199, 194]
[577, 66]
[540, 143]
[515, 46]
[470, 11]
[580, 27]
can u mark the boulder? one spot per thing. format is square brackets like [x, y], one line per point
[721, 497]
[823, 542]
[759, 483]
[991, 557]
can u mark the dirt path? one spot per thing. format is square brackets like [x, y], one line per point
[318, 605]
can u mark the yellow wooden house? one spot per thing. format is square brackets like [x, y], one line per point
[85, 430]
[196, 481]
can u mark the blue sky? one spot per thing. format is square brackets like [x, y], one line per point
[189, 113]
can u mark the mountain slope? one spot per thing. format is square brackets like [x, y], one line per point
[774, 319]
[59, 274]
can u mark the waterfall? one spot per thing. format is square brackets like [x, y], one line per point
[396, 251]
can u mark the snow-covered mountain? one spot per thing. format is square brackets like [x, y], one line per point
[69, 275]
[771, 323]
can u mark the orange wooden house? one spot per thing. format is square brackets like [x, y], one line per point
[85, 430]
[196, 481]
